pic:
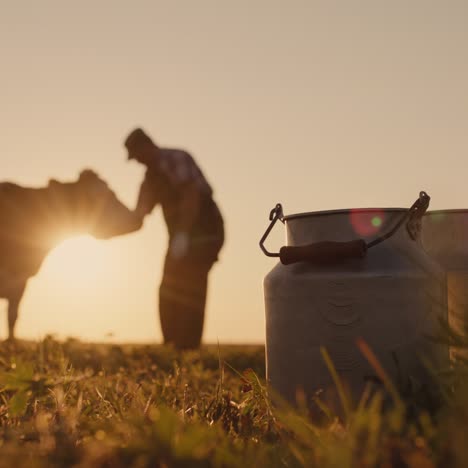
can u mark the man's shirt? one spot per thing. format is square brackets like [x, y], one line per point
[169, 181]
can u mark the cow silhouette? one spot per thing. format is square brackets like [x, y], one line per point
[35, 220]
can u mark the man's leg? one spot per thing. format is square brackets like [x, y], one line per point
[182, 299]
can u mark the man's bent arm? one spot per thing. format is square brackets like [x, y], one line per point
[147, 198]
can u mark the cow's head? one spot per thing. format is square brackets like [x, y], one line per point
[90, 206]
[106, 215]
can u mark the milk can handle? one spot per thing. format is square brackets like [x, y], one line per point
[275, 214]
[332, 252]
[413, 217]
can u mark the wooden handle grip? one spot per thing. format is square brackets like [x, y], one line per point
[323, 253]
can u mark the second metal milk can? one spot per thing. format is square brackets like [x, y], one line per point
[445, 238]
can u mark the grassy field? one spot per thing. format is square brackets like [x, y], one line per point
[84, 405]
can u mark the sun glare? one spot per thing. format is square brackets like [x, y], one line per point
[80, 262]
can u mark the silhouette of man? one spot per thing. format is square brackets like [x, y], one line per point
[196, 234]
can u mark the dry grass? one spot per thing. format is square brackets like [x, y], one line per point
[75, 404]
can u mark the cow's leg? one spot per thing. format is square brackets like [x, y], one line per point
[13, 304]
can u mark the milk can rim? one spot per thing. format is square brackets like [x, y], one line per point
[449, 210]
[343, 211]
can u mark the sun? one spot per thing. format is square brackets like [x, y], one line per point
[80, 263]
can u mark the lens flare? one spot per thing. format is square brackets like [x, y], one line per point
[366, 223]
[376, 221]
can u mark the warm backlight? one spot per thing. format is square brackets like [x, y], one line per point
[80, 263]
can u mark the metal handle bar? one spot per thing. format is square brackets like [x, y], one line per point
[333, 252]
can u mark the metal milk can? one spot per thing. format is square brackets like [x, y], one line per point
[445, 238]
[345, 275]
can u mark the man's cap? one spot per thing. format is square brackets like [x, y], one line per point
[136, 139]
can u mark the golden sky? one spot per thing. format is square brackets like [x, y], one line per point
[316, 104]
